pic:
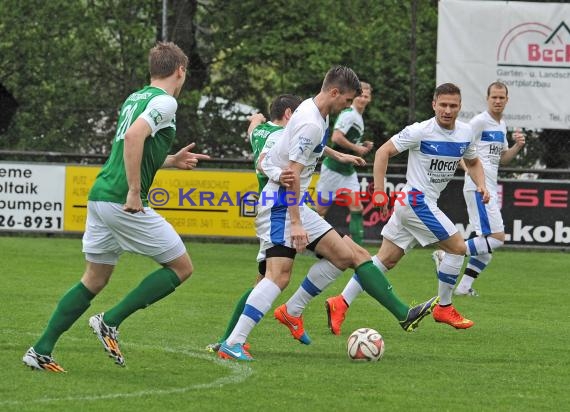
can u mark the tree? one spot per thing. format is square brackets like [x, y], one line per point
[69, 77]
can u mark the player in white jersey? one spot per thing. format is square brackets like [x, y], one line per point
[493, 150]
[286, 226]
[347, 137]
[435, 148]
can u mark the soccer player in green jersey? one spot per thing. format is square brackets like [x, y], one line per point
[335, 176]
[262, 136]
[118, 216]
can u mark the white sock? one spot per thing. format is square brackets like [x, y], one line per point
[320, 275]
[465, 283]
[481, 245]
[258, 303]
[353, 288]
[474, 267]
[449, 270]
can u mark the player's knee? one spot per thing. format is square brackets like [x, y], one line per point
[389, 262]
[281, 279]
[458, 249]
[185, 272]
[95, 284]
[182, 267]
[359, 255]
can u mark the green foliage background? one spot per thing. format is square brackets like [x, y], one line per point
[70, 63]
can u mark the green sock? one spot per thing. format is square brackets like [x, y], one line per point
[154, 287]
[377, 285]
[356, 227]
[70, 307]
[235, 316]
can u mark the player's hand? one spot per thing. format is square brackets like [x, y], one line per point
[351, 159]
[287, 177]
[258, 118]
[186, 160]
[133, 203]
[299, 237]
[364, 148]
[485, 195]
[519, 137]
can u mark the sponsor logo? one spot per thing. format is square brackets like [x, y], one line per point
[539, 234]
[535, 44]
[439, 165]
[155, 116]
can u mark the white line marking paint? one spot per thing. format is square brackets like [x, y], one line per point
[239, 373]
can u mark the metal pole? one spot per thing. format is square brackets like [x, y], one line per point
[164, 20]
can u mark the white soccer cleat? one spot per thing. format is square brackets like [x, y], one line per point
[437, 257]
[468, 292]
[109, 338]
[40, 362]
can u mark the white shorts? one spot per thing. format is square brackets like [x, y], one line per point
[423, 223]
[484, 218]
[273, 225]
[330, 181]
[110, 231]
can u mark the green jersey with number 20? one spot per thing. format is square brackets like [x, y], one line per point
[158, 109]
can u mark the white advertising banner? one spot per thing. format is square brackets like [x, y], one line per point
[31, 197]
[525, 45]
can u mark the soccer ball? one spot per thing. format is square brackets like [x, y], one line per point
[365, 344]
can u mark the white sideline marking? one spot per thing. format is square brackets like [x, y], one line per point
[239, 373]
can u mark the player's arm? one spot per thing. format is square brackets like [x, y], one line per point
[339, 138]
[344, 157]
[381, 158]
[299, 237]
[509, 154]
[282, 176]
[135, 137]
[254, 120]
[475, 170]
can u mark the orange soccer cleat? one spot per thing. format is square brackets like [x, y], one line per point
[295, 324]
[336, 311]
[448, 314]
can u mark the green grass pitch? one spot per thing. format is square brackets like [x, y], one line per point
[515, 358]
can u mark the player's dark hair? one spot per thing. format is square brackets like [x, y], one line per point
[498, 85]
[446, 88]
[164, 59]
[281, 104]
[343, 78]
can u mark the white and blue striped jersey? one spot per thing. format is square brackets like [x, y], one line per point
[434, 154]
[491, 142]
[303, 141]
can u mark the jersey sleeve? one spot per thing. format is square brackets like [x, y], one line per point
[505, 142]
[407, 139]
[303, 142]
[344, 122]
[271, 140]
[160, 112]
[471, 150]
[477, 127]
